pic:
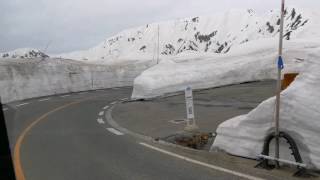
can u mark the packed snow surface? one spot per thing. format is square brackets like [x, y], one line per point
[36, 77]
[299, 116]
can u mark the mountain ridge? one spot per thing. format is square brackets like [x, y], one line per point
[24, 53]
[202, 34]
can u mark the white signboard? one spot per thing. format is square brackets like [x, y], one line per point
[189, 103]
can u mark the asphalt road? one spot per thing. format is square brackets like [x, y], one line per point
[211, 108]
[62, 137]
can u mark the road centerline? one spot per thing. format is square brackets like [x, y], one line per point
[65, 96]
[101, 113]
[100, 121]
[114, 131]
[22, 104]
[114, 102]
[40, 100]
[106, 107]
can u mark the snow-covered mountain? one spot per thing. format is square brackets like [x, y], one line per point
[218, 33]
[24, 53]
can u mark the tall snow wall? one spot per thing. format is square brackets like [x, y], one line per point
[28, 78]
[252, 61]
[299, 117]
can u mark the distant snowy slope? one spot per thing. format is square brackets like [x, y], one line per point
[218, 33]
[23, 53]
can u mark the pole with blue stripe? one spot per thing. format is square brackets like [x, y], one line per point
[280, 66]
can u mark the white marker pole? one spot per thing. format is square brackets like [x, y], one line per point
[191, 122]
[277, 116]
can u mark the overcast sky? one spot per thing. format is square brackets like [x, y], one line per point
[80, 24]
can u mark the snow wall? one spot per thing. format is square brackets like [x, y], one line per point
[300, 111]
[28, 78]
[250, 62]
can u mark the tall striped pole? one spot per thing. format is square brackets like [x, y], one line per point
[280, 67]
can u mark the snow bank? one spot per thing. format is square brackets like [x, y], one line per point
[250, 62]
[300, 112]
[27, 78]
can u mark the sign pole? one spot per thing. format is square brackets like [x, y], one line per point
[280, 67]
[191, 122]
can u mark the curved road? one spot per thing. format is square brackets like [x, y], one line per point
[62, 137]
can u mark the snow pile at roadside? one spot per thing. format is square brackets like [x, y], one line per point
[24, 53]
[250, 62]
[300, 112]
[27, 78]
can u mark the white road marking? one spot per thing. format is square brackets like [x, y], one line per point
[65, 96]
[123, 99]
[22, 104]
[115, 88]
[101, 113]
[100, 121]
[106, 107]
[202, 163]
[114, 131]
[5, 109]
[44, 99]
[114, 102]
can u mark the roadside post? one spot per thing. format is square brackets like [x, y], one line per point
[280, 67]
[191, 122]
[264, 157]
